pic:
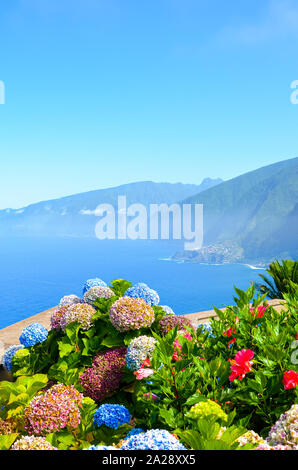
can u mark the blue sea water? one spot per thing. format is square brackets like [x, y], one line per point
[36, 272]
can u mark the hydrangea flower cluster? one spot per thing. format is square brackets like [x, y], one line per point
[68, 300]
[168, 310]
[112, 416]
[7, 426]
[57, 316]
[134, 432]
[155, 439]
[142, 291]
[138, 350]
[285, 430]
[33, 334]
[206, 328]
[104, 376]
[205, 409]
[81, 313]
[101, 448]
[32, 443]
[168, 322]
[9, 354]
[277, 447]
[131, 314]
[53, 410]
[97, 292]
[250, 437]
[92, 283]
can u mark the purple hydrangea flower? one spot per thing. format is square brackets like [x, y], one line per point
[168, 322]
[104, 376]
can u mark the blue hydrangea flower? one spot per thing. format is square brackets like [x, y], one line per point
[167, 310]
[101, 448]
[112, 416]
[138, 349]
[92, 283]
[155, 439]
[206, 328]
[134, 432]
[8, 355]
[33, 334]
[141, 290]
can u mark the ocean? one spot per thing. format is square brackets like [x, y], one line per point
[36, 272]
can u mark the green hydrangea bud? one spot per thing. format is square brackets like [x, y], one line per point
[206, 409]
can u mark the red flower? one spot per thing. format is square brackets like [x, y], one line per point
[236, 320]
[290, 379]
[260, 311]
[142, 373]
[229, 332]
[145, 363]
[187, 336]
[231, 342]
[175, 356]
[241, 365]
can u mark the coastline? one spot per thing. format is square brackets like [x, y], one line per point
[251, 266]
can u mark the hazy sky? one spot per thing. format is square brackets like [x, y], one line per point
[104, 92]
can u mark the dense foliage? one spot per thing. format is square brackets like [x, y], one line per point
[116, 370]
[283, 279]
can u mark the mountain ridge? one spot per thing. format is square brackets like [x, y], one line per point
[67, 216]
[255, 211]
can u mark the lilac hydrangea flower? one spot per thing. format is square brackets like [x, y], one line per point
[169, 322]
[97, 292]
[32, 443]
[285, 430]
[68, 300]
[81, 313]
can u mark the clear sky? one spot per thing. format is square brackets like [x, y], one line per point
[104, 92]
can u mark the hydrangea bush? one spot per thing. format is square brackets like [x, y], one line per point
[118, 371]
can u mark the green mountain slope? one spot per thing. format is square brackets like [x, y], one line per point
[257, 210]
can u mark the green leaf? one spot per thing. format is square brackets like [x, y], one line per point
[6, 440]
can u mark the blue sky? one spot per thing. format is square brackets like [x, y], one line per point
[105, 92]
